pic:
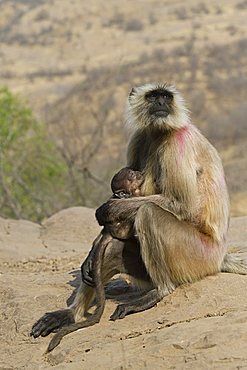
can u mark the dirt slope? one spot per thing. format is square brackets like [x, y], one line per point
[199, 326]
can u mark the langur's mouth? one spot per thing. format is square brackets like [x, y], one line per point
[160, 113]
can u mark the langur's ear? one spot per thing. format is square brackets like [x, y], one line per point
[132, 92]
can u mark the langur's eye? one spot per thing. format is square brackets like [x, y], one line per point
[151, 97]
[167, 96]
[122, 194]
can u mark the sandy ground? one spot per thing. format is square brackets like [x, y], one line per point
[199, 326]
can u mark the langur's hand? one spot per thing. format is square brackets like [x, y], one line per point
[116, 210]
[108, 212]
[101, 213]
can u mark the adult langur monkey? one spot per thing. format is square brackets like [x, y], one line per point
[179, 224]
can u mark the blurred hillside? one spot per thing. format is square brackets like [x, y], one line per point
[76, 61]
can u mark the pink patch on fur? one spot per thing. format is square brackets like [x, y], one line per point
[222, 181]
[206, 242]
[181, 136]
[219, 183]
[206, 246]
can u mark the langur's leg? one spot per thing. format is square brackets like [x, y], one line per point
[151, 255]
[174, 251]
[120, 257]
[134, 266]
[52, 321]
[147, 301]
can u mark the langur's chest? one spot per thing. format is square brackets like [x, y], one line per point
[150, 155]
[152, 167]
[163, 171]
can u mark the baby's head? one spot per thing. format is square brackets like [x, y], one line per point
[127, 183]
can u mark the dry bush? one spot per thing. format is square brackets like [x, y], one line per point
[152, 19]
[128, 25]
[242, 5]
[181, 13]
[200, 9]
[133, 25]
[42, 15]
[117, 20]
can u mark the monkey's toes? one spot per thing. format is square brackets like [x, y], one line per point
[119, 313]
[51, 322]
[54, 343]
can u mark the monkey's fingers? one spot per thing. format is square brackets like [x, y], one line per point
[51, 322]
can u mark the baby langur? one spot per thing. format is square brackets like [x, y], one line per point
[125, 184]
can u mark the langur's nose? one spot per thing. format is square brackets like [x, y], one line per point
[161, 100]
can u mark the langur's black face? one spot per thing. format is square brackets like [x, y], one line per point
[158, 106]
[160, 101]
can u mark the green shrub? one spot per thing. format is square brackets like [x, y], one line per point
[32, 173]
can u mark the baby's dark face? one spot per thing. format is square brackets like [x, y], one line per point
[127, 183]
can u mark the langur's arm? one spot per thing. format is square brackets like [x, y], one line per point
[110, 214]
[126, 209]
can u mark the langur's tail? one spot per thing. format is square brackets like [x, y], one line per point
[235, 264]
